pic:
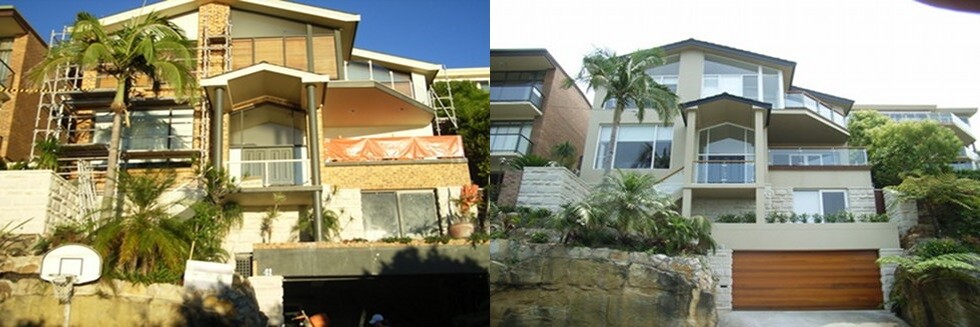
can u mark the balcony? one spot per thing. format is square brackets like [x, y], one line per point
[515, 100]
[716, 169]
[805, 101]
[818, 157]
[509, 144]
[962, 130]
[266, 173]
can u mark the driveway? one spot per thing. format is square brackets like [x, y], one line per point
[869, 318]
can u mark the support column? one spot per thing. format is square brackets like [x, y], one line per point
[761, 164]
[315, 162]
[687, 195]
[217, 133]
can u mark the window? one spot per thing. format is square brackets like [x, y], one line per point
[510, 137]
[156, 129]
[665, 75]
[637, 147]
[398, 214]
[750, 81]
[726, 154]
[517, 86]
[821, 202]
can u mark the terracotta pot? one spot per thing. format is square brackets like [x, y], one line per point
[461, 230]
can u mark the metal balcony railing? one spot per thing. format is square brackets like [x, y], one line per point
[818, 157]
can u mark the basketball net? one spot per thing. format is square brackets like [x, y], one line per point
[64, 287]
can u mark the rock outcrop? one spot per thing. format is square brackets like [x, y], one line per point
[553, 285]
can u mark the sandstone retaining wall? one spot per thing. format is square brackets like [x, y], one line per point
[550, 187]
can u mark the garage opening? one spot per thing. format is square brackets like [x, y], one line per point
[805, 280]
[405, 300]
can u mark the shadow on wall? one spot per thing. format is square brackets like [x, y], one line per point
[403, 292]
[229, 306]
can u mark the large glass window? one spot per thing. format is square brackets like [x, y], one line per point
[751, 81]
[157, 129]
[637, 147]
[510, 137]
[399, 214]
[726, 154]
[517, 86]
[819, 202]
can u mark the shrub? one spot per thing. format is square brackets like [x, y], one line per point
[747, 217]
[539, 237]
[933, 247]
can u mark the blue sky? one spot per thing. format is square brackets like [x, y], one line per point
[455, 33]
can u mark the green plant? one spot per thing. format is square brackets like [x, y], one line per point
[778, 217]
[479, 238]
[929, 264]
[356, 240]
[539, 237]
[529, 160]
[396, 239]
[564, 153]
[305, 225]
[873, 218]
[214, 214]
[839, 217]
[934, 247]
[952, 204]
[440, 239]
[64, 233]
[910, 148]
[143, 238]
[747, 217]
[625, 81]
[8, 239]
[270, 217]
[499, 234]
[48, 151]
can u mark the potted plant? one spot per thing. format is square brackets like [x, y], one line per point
[461, 223]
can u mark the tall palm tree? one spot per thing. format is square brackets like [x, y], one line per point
[147, 46]
[626, 82]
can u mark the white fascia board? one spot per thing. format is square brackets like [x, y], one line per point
[305, 77]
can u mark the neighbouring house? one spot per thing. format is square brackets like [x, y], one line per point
[748, 142]
[956, 119]
[289, 107]
[20, 49]
[478, 75]
[530, 113]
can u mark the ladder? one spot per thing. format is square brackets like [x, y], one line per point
[86, 189]
[443, 103]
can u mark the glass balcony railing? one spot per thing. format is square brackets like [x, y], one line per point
[942, 118]
[802, 100]
[515, 92]
[715, 169]
[265, 173]
[818, 157]
[509, 143]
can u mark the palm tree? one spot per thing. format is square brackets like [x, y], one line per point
[144, 239]
[626, 82]
[147, 46]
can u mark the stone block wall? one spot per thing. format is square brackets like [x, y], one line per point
[721, 268]
[39, 196]
[712, 208]
[510, 187]
[779, 199]
[240, 240]
[888, 271]
[550, 187]
[905, 214]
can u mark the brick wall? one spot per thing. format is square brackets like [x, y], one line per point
[388, 175]
[17, 115]
[565, 117]
[550, 187]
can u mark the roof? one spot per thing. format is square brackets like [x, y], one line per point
[677, 46]
[346, 22]
[10, 14]
[399, 63]
[843, 102]
[304, 76]
[530, 52]
[726, 96]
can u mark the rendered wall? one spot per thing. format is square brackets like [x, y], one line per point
[842, 236]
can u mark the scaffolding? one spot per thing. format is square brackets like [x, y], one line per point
[215, 50]
[443, 104]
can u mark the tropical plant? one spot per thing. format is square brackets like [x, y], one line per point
[929, 271]
[625, 82]
[143, 238]
[952, 204]
[270, 217]
[48, 151]
[565, 154]
[529, 160]
[626, 212]
[65, 233]
[147, 46]
[305, 226]
[214, 214]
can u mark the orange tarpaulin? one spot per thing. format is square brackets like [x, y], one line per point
[394, 148]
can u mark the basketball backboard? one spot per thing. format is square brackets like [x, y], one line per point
[78, 260]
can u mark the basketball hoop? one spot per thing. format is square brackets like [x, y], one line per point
[64, 287]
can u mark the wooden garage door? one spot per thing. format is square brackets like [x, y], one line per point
[814, 280]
